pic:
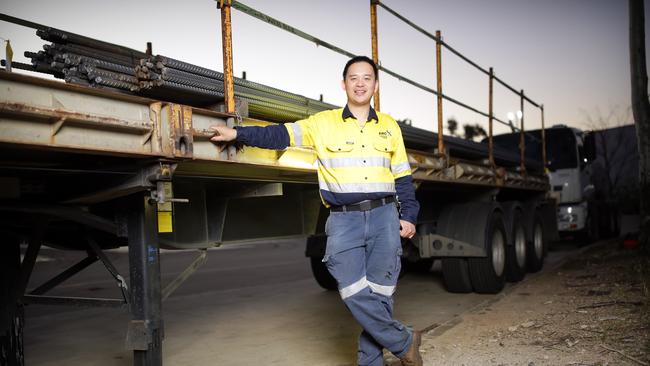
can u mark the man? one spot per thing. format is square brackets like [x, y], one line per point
[362, 165]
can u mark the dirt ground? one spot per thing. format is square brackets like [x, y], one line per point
[592, 310]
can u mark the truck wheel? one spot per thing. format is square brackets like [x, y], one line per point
[516, 253]
[488, 274]
[322, 275]
[420, 266]
[455, 273]
[591, 232]
[536, 245]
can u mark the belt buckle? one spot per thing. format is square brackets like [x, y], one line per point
[365, 205]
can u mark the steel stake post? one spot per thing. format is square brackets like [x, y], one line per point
[490, 119]
[522, 137]
[226, 40]
[441, 142]
[145, 332]
[375, 46]
[543, 141]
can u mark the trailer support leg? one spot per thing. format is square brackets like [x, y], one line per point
[11, 311]
[145, 331]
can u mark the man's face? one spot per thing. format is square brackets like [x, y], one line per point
[360, 83]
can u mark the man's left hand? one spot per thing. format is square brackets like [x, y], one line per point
[407, 230]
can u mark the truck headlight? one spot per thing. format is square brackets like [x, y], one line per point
[568, 218]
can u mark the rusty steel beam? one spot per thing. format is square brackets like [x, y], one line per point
[374, 41]
[226, 39]
[441, 143]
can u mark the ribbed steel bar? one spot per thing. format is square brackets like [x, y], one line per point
[89, 52]
[94, 72]
[19, 65]
[59, 36]
[117, 84]
[23, 22]
[75, 59]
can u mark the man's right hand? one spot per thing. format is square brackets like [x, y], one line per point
[223, 133]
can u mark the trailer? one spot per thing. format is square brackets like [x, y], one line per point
[89, 165]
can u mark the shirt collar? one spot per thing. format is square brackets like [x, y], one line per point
[372, 115]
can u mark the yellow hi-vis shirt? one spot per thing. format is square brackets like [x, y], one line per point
[353, 161]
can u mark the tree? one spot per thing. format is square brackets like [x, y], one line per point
[474, 131]
[641, 111]
[616, 159]
[452, 126]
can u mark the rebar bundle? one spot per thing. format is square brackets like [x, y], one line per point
[81, 60]
[85, 61]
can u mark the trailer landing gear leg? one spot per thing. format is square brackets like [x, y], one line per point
[11, 312]
[145, 331]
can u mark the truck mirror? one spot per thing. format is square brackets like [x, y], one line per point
[589, 191]
[589, 143]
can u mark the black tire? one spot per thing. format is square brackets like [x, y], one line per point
[591, 233]
[516, 253]
[455, 273]
[322, 275]
[488, 273]
[536, 244]
[420, 266]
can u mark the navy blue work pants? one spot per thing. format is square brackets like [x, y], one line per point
[363, 255]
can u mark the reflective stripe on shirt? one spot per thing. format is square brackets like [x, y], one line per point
[400, 168]
[336, 187]
[353, 162]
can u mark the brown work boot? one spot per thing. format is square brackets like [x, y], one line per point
[412, 356]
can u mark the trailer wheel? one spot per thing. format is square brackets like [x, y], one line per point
[420, 266]
[516, 253]
[322, 275]
[488, 273]
[455, 273]
[536, 245]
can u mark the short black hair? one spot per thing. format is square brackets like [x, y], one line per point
[365, 59]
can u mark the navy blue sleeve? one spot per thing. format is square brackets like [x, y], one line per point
[406, 195]
[275, 137]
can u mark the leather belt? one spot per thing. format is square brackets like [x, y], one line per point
[364, 205]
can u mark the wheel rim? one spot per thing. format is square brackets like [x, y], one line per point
[520, 247]
[498, 252]
[538, 241]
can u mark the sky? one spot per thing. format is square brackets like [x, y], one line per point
[572, 56]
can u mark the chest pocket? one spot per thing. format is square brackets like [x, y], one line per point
[338, 147]
[384, 145]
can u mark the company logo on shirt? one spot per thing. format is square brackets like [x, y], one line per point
[385, 134]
